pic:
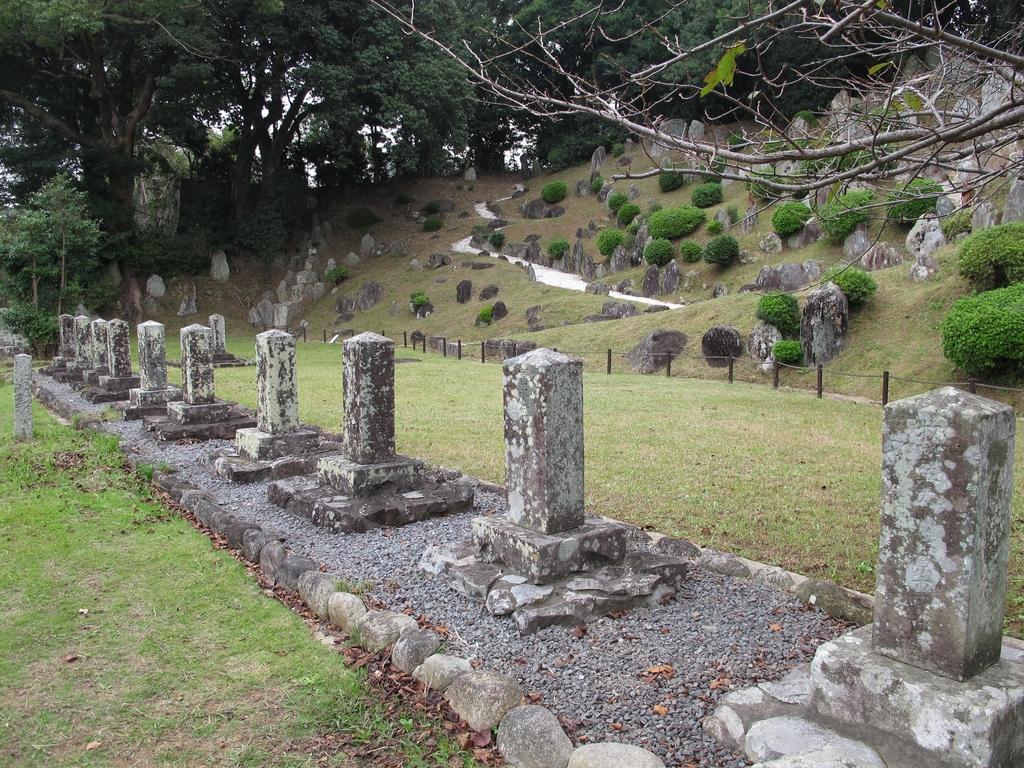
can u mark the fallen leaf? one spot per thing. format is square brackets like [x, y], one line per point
[775, 627]
[579, 632]
[70, 658]
[92, 745]
[660, 710]
[616, 726]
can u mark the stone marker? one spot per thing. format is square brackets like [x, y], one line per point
[152, 356]
[98, 345]
[947, 480]
[83, 356]
[119, 355]
[369, 382]
[22, 397]
[197, 364]
[66, 328]
[219, 339]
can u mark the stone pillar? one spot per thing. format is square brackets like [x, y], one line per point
[219, 338]
[197, 364]
[152, 356]
[83, 341]
[118, 349]
[276, 387]
[369, 379]
[543, 394]
[98, 342]
[947, 480]
[22, 397]
[66, 327]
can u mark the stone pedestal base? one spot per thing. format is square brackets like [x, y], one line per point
[92, 375]
[149, 402]
[256, 445]
[351, 479]
[59, 365]
[198, 413]
[238, 469]
[228, 360]
[111, 389]
[71, 374]
[224, 420]
[547, 557]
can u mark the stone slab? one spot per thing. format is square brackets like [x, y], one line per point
[257, 445]
[352, 479]
[153, 398]
[199, 413]
[238, 469]
[118, 384]
[167, 429]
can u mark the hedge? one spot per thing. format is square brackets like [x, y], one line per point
[627, 213]
[984, 334]
[660, 252]
[994, 258]
[780, 310]
[840, 217]
[856, 284]
[789, 218]
[554, 192]
[722, 250]
[609, 240]
[673, 223]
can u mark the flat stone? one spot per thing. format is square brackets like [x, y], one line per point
[345, 610]
[482, 698]
[254, 540]
[673, 547]
[724, 563]
[531, 737]
[827, 757]
[835, 601]
[257, 445]
[354, 479]
[201, 413]
[413, 648]
[148, 398]
[794, 688]
[613, 756]
[289, 571]
[440, 670]
[781, 736]
[560, 613]
[271, 557]
[315, 589]
[381, 629]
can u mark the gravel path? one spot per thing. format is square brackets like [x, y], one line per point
[718, 634]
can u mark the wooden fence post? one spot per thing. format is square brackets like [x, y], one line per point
[775, 375]
[460, 349]
[885, 387]
[444, 347]
[668, 366]
[972, 386]
[732, 360]
[609, 366]
[819, 380]
[405, 339]
[483, 352]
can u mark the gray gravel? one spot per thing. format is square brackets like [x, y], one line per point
[716, 628]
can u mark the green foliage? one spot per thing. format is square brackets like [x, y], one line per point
[634, 226]
[956, 224]
[418, 300]
[654, 206]
[857, 285]
[733, 212]
[809, 117]
[627, 213]
[336, 274]
[787, 352]
[914, 200]
[554, 192]
[715, 227]
[984, 334]
[558, 247]
[840, 217]
[734, 140]
[789, 218]
[597, 184]
[432, 223]
[361, 218]
[660, 252]
[616, 200]
[669, 181]
[618, 148]
[781, 310]
[609, 240]
[497, 239]
[485, 316]
[994, 258]
[691, 251]
[722, 250]
[432, 208]
[707, 194]
[673, 223]
[37, 326]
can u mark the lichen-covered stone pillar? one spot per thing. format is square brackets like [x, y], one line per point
[98, 344]
[197, 364]
[83, 340]
[947, 480]
[22, 397]
[66, 329]
[369, 378]
[119, 354]
[219, 334]
[276, 387]
[152, 356]
[543, 394]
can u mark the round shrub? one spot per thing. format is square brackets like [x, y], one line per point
[914, 200]
[809, 117]
[558, 247]
[789, 218]
[781, 310]
[994, 258]
[609, 240]
[669, 182]
[432, 223]
[616, 200]
[956, 224]
[597, 183]
[485, 316]
[497, 239]
[554, 192]
[690, 251]
[432, 207]
[715, 227]
[840, 217]
[707, 195]
[660, 252]
[984, 334]
[618, 148]
[336, 274]
[418, 300]
[673, 223]
[733, 212]
[634, 226]
[722, 250]
[787, 352]
[856, 284]
[627, 213]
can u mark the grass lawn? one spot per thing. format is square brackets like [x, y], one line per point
[777, 476]
[127, 639]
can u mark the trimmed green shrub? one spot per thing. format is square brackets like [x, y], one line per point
[497, 239]
[722, 250]
[618, 148]
[432, 207]
[994, 258]
[707, 194]
[558, 247]
[660, 252]
[856, 284]
[616, 200]
[914, 200]
[787, 352]
[418, 300]
[634, 226]
[956, 224]
[485, 316]
[669, 182]
[781, 310]
[627, 213]
[840, 217]
[808, 116]
[733, 212]
[690, 251]
[735, 140]
[597, 183]
[361, 218]
[609, 240]
[715, 227]
[673, 223]
[432, 223]
[789, 218]
[984, 334]
[554, 192]
[336, 274]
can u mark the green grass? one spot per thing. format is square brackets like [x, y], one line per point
[777, 476]
[127, 639]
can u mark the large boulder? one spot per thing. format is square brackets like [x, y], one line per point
[769, 243]
[155, 287]
[856, 243]
[499, 310]
[369, 295]
[619, 309]
[596, 161]
[482, 698]
[823, 324]
[985, 216]
[1014, 210]
[652, 281]
[925, 236]
[531, 737]
[761, 340]
[219, 269]
[619, 261]
[464, 291]
[669, 281]
[262, 315]
[719, 343]
[438, 260]
[923, 268]
[488, 292]
[880, 256]
[786, 277]
[538, 209]
[367, 245]
[655, 350]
